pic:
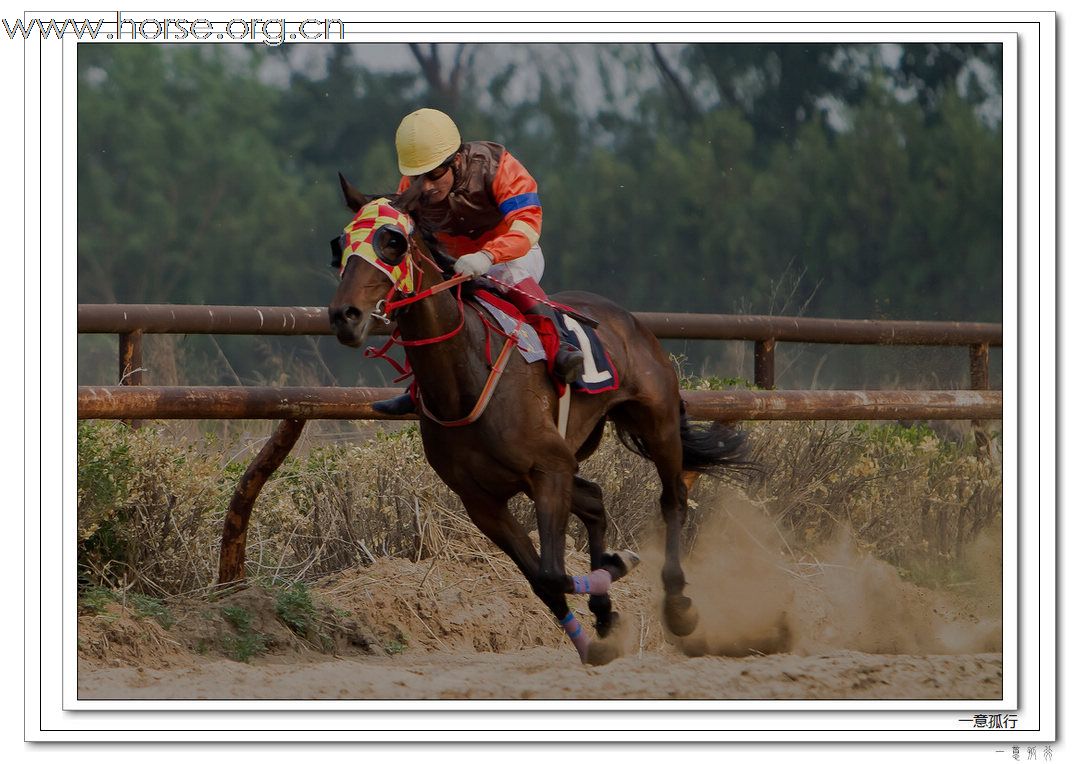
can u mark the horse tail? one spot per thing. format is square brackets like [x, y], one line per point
[713, 449]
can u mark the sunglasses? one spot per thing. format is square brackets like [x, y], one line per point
[435, 174]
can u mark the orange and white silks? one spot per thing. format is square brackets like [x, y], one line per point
[494, 207]
[360, 235]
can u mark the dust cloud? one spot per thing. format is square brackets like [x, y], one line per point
[756, 595]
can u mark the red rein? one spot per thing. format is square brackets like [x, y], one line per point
[390, 305]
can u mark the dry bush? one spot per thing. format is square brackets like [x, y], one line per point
[910, 495]
[152, 501]
[149, 509]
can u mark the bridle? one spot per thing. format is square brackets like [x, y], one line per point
[399, 297]
[405, 269]
[385, 307]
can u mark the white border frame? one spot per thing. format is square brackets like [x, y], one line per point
[1032, 113]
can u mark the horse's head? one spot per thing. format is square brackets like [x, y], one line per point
[379, 256]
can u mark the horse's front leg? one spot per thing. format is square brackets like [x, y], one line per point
[606, 567]
[494, 520]
[551, 492]
[587, 505]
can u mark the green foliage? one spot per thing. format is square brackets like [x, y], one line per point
[825, 178]
[915, 495]
[106, 471]
[238, 617]
[243, 647]
[693, 382]
[149, 607]
[295, 608]
[144, 503]
[95, 600]
[176, 181]
[909, 494]
[883, 432]
[105, 466]
[246, 643]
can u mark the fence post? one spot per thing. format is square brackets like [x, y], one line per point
[765, 364]
[979, 356]
[131, 363]
[979, 364]
[234, 532]
[131, 358]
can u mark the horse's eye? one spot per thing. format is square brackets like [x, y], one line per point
[337, 249]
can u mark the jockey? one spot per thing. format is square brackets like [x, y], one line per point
[484, 207]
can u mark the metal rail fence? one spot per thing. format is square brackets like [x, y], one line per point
[130, 322]
[295, 405]
[355, 403]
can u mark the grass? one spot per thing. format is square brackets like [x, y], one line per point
[295, 608]
[95, 600]
[239, 618]
[243, 647]
[246, 643]
[150, 607]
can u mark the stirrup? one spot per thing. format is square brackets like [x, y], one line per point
[396, 406]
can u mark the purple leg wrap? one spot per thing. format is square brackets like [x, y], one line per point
[597, 582]
[577, 634]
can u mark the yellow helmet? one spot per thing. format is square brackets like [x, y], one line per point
[425, 139]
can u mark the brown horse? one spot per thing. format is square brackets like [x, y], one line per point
[515, 444]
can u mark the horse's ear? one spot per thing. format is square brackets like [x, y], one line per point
[354, 200]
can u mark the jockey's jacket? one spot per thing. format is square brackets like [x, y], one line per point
[493, 205]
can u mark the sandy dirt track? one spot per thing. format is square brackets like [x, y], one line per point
[547, 673]
[472, 629]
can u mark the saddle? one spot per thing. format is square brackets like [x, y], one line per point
[539, 338]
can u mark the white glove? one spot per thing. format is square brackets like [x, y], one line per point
[476, 264]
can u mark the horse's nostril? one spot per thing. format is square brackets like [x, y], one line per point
[352, 313]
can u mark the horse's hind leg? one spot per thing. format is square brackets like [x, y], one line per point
[679, 613]
[659, 431]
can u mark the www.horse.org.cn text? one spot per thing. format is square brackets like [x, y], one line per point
[271, 32]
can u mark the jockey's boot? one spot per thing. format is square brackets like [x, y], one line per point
[397, 406]
[569, 361]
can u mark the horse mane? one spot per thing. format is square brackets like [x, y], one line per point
[408, 201]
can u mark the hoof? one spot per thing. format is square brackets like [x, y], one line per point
[622, 562]
[680, 615]
[694, 646]
[602, 651]
[629, 559]
[609, 626]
